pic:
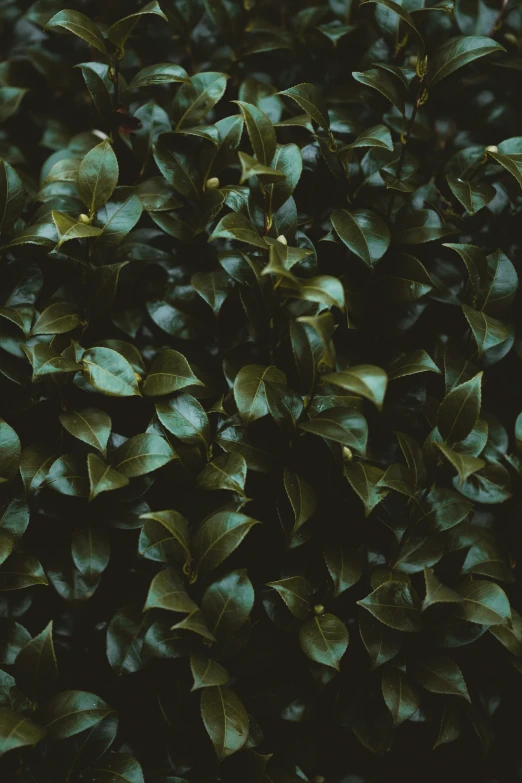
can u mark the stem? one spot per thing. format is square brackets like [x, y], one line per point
[409, 130]
[497, 24]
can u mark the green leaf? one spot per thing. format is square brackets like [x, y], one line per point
[363, 232]
[460, 409]
[457, 52]
[57, 319]
[116, 219]
[492, 484]
[17, 731]
[420, 226]
[309, 98]
[217, 538]
[91, 425]
[250, 390]
[167, 591]
[91, 551]
[207, 673]
[473, 196]
[381, 642]
[250, 167]
[236, 226]
[213, 287]
[260, 132]
[68, 476]
[164, 537]
[487, 331]
[225, 720]
[345, 566]
[227, 602]
[412, 363]
[69, 712]
[324, 639]
[70, 228]
[376, 136]
[296, 592]
[96, 78]
[110, 373]
[119, 32]
[79, 25]
[228, 471]
[381, 81]
[441, 675]
[364, 480]
[125, 639]
[98, 176]
[170, 372]
[405, 17]
[365, 379]
[120, 767]
[436, 592]
[289, 161]
[484, 603]
[185, 418]
[175, 159]
[103, 478]
[493, 278]
[12, 196]
[36, 666]
[194, 101]
[444, 509]
[20, 571]
[161, 73]
[464, 464]
[302, 497]
[343, 425]
[400, 695]
[512, 163]
[10, 451]
[396, 605]
[142, 454]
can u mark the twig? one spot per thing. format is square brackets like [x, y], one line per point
[497, 24]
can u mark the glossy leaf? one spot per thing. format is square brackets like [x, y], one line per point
[324, 639]
[363, 232]
[217, 537]
[225, 720]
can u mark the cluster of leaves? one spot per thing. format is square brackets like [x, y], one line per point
[260, 362]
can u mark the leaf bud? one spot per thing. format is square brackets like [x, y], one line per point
[492, 148]
[281, 238]
[83, 218]
[212, 183]
[318, 609]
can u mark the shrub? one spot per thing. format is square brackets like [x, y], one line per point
[260, 380]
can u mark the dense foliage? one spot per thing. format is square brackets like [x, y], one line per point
[260, 377]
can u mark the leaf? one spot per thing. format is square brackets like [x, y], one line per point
[120, 767]
[103, 478]
[441, 675]
[423, 225]
[119, 32]
[228, 471]
[227, 602]
[69, 712]
[289, 161]
[296, 592]
[363, 232]
[302, 497]
[236, 226]
[91, 425]
[142, 454]
[376, 136]
[10, 451]
[324, 639]
[364, 480]
[309, 98]
[217, 538]
[365, 379]
[91, 552]
[250, 391]
[250, 167]
[405, 17]
[167, 591]
[56, 319]
[436, 592]
[12, 196]
[70, 228]
[457, 52]
[98, 176]
[484, 603]
[487, 331]
[412, 363]
[444, 509]
[449, 727]
[36, 666]
[460, 409]
[20, 571]
[125, 639]
[115, 219]
[17, 731]
[110, 373]
[400, 695]
[464, 464]
[207, 673]
[472, 196]
[382, 643]
[170, 372]
[492, 484]
[384, 83]
[345, 566]
[260, 132]
[79, 25]
[213, 287]
[185, 418]
[194, 101]
[225, 720]
[164, 537]
[174, 158]
[160, 73]
[343, 425]
[68, 476]
[395, 605]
